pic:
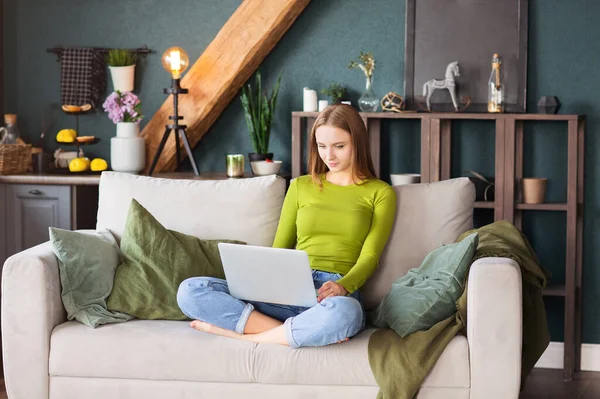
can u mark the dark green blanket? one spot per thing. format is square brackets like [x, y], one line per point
[401, 364]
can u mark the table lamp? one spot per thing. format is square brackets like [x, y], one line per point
[175, 61]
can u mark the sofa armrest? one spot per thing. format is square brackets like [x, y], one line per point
[494, 328]
[31, 308]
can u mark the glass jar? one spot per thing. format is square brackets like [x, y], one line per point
[10, 133]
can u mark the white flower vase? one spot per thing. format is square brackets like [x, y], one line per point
[127, 150]
[123, 78]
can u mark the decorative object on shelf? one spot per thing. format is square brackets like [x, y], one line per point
[484, 186]
[127, 149]
[121, 63]
[259, 110]
[14, 158]
[448, 83]
[309, 103]
[368, 101]
[267, 167]
[323, 104]
[10, 133]
[336, 91]
[175, 61]
[548, 105]
[234, 165]
[62, 158]
[534, 190]
[392, 102]
[83, 76]
[496, 87]
[347, 102]
[399, 179]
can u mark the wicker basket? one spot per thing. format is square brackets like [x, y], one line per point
[15, 159]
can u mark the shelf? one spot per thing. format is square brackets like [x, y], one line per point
[485, 204]
[555, 290]
[542, 207]
[455, 115]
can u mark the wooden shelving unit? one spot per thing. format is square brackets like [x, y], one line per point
[436, 140]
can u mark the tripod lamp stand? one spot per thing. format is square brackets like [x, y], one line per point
[175, 60]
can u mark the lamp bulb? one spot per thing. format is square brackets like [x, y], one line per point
[175, 60]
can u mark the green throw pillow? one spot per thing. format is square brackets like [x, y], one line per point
[87, 263]
[156, 261]
[427, 295]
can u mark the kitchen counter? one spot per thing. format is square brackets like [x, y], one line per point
[88, 179]
[69, 179]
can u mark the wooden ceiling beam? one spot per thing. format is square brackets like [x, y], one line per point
[217, 76]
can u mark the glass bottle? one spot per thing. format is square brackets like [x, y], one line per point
[495, 87]
[10, 133]
[368, 102]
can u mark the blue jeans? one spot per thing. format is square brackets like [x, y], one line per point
[334, 319]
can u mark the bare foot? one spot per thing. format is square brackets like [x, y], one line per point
[211, 329]
[343, 340]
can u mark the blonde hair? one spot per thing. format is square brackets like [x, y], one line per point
[343, 117]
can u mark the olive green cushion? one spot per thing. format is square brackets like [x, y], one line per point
[427, 295]
[155, 261]
[86, 264]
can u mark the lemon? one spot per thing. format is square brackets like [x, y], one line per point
[66, 136]
[79, 165]
[98, 164]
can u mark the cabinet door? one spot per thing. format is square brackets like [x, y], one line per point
[30, 210]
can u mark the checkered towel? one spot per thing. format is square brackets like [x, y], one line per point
[82, 76]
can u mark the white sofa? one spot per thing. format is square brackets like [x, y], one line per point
[46, 356]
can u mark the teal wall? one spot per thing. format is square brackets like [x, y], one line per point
[563, 61]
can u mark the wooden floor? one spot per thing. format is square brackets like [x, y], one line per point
[541, 384]
[549, 384]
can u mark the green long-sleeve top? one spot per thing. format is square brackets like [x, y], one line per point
[343, 229]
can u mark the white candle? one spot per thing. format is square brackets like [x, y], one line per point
[310, 100]
[323, 104]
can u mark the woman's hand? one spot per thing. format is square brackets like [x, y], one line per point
[331, 288]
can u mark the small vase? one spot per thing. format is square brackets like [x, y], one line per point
[127, 150]
[123, 78]
[368, 101]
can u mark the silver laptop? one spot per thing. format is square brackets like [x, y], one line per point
[266, 274]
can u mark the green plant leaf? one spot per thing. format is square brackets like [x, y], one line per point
[121, 57]
[259, 109]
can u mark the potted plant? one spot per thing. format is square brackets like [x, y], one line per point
[127, 149]
[121, 63]
[258, 110]
[336, 91]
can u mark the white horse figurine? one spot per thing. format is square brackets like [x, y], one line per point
[448, 83]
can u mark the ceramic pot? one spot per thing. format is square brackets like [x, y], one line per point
[534, 190]
[127, 150]
[252, 156]
[122, 77]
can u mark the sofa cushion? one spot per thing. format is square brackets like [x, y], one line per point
[87, 263]
[427, 216]
[240, 209]
[155, 262]
[171, 350]
[425, 296]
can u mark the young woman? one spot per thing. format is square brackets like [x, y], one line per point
[341, 215]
